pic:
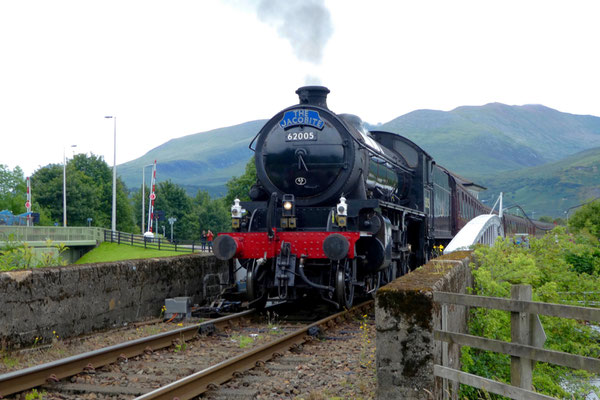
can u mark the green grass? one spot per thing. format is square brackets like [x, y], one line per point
[115, 252]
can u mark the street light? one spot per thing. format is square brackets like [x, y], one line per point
[114, 197]
[65, 186]
[172, 220]
[144, 195]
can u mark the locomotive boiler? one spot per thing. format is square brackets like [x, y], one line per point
[338, 210]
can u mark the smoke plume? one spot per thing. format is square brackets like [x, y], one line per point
[306, 24]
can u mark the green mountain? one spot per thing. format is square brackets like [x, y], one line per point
[483, 140]
[204, 160]
[476, 142]
[549, 189]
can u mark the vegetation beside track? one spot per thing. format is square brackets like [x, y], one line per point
[17, 255]
[106, 252]
[561, 268]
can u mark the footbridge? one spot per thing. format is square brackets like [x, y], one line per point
[483, 229]
[41, 239]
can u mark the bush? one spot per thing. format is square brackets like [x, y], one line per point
[16, 255]
[561, 269]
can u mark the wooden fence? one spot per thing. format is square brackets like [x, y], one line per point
[527, 339]
[156, 243]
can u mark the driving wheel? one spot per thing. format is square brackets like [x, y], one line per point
[344, 283]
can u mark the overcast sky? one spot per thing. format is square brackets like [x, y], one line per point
[168, 69]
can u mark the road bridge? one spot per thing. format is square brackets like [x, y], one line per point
[79, 240]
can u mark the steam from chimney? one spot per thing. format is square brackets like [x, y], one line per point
[306, 24]
[310, 79]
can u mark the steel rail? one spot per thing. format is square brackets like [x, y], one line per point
[28, 378]
[209, 378]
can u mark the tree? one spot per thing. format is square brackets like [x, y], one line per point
[174, 202]
[210, 214]
[587, 218]
[46, 183]
[239, 187]
[89, 193]
[13, 190]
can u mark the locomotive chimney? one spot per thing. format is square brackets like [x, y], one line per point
[313, 95]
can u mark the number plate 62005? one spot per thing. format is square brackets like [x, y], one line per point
[295, 136]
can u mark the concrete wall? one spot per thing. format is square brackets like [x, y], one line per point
[406, 316]
[79, 299]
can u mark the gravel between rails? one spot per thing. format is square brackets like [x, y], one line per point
[339, 365]
[59, 348]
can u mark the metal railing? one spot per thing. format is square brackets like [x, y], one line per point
[527, 337]
[156, 243]
[54, 233]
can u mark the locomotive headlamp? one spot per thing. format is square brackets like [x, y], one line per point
[289, 209]
[342, 212]
[236, 213]
[236, 209]
[342, 207]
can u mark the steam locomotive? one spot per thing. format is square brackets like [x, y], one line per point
[338, 210]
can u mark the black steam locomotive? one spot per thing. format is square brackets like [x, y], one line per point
[338, 210]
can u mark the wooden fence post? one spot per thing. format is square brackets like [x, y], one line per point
[520, 367]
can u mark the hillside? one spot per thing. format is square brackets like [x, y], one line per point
[205, 160]
[549, 189]
[484, 140]
[473, 141]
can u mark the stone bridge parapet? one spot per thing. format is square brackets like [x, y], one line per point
[406, 316]
[80, 299]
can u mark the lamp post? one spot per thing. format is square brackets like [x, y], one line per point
[144, 195]
[65, 186]
[114, 194]
[172, 220]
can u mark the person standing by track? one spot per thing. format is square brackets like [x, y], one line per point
[209, 238]
[203, 240]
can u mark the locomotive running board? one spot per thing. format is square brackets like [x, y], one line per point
[393, 206]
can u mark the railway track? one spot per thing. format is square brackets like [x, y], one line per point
[29, 378]
[155, 374]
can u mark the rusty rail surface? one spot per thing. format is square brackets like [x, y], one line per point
[209, 378]
[28, 378]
